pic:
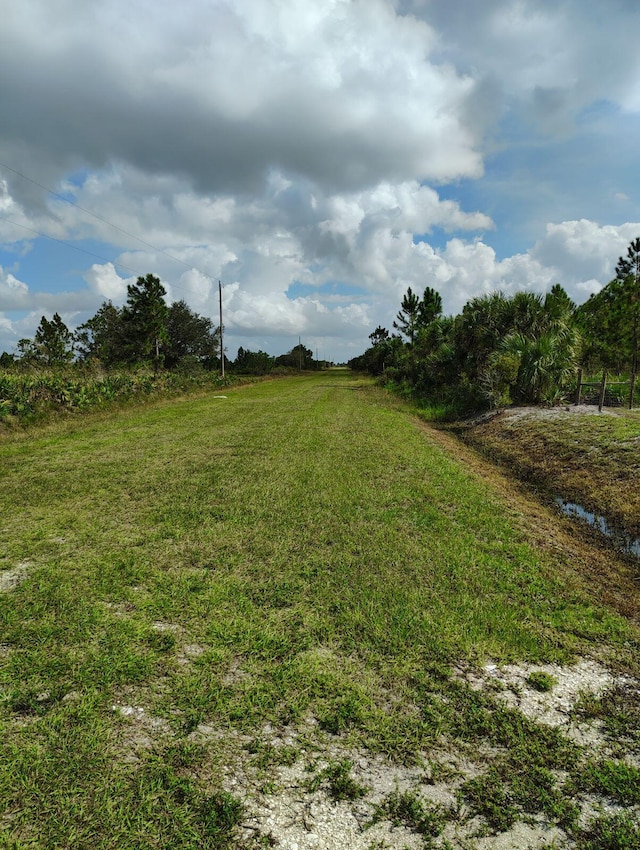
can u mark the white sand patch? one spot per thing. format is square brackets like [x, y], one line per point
[554, 707]
[12, 578]
[141, 733]
[188, 652]
[517, 414]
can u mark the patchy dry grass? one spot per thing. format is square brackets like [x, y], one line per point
[586, 457]
[240, 608]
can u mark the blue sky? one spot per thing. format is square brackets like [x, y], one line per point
[368, 146]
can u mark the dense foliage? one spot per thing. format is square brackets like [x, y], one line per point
[524, 348]
[141, 349]
[144, 333]
[27, 395]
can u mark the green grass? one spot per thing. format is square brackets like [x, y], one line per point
[340, 783]
[299, 548]
[541, 681]
[406, 809]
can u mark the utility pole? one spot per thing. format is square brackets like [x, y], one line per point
[221, 340]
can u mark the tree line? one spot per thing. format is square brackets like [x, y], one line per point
[524, 348]
[145, 331]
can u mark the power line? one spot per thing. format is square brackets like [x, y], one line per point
[100, 218]
[104, 221]
[68, 244]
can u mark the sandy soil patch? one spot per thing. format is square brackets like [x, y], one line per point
[12, 578]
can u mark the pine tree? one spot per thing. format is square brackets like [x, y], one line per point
[628, 272]
[145, 320]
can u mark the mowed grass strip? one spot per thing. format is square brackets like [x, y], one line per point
[298, 548]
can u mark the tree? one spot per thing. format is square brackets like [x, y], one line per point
[51, 346]
[628, 272]
[558, 304]
[525, 347]
[379, 336]
[145, 320]
[407, 318]
[435, 355]
[102, 337]
[430, 307]
[298, 358]
[253, 362]
[607, 328]
[189, 337]
[484, 321]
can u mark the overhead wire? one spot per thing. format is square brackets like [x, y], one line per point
[55, 194]
[68, 244]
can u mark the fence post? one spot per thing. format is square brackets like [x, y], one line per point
[602, 390]
[579, 389]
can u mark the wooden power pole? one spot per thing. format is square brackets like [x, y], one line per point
[221, 340]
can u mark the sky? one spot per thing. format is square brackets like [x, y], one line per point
[318, 157]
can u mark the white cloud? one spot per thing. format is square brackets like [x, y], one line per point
[547, 58]
[285, 147]
[582, 250]
[105, 282]
[14, 294]
[221, 93]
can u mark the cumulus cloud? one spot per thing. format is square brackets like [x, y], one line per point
[545, 57]
[343, 93]
[295, 151]
[583, 249]
[105, 281]
[14, 294]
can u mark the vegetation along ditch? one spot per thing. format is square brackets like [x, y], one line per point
[301, 617]
[585, 460]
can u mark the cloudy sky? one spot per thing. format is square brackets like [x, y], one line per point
[316, 156]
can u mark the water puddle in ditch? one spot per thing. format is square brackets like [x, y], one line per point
[628, 544]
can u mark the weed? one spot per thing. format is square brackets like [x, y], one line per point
[161, 641]
[408, 810]
[340, 783]
[616, 780]
[541, 681]
[220, 814]
[610, 832]
[340, 713]
[488, 796]
[618, 709]
[265, 755]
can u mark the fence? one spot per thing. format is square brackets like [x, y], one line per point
[603, 394]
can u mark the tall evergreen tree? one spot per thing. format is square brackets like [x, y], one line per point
[408, 316]
[145, 320]
[53, 343]
[102, 337]
[628, 272]
[430, 307]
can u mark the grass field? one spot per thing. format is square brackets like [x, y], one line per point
[184, 581]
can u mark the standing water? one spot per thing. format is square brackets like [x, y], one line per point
[628, 544]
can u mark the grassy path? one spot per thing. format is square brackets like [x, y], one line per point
[298, 549]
